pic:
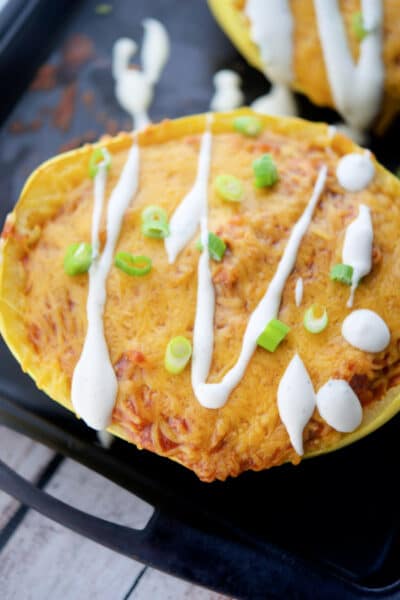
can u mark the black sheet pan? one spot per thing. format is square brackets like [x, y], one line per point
[328, 528]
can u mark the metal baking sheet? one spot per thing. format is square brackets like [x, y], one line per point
[340, 510]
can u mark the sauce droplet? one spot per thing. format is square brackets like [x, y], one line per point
[366, 330]
[339, 406]
[298, 292]
[355, 171]
[228, 94]
[296, 401]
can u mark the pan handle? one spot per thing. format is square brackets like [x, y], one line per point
[200, 555]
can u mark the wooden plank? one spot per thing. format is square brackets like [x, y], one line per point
[158, 586]
[27, 458]
[52, 562]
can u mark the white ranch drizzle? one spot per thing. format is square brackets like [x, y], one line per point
[296, 401]
[203, 332]
[134, 89]
[155, 49]
[183, 225]
[94, 384]
[214, 395]
[298, 291]
[357, 248]
[99, 191]
[105, 439]
[271, 29]
[123, 51]
[279, 101]
[186, 218]
[228, 94]
[339, 406]
[355, 171]
[366, 330]
[356, 89]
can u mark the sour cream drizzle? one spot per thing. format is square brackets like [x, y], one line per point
[186, 218]
[228, 94]
[357, 248]
[215, 395]
[155, 49]
[366, 330]
[296, 401]
[94, 384]
[134, 89]
[271, 28]
[105, 439]
[298, 291]
[356, 89]
[279, 101]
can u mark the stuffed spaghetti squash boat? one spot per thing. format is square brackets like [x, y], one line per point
[219, 289]
[341, 54]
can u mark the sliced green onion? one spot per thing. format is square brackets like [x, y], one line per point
[78, 258]
[342, 273]
[154, 212]
[216, 246]
[177, 354]
[315, 318]
[137, 266]
[230, 188]
[359, 29]
[155, 222]
[155, 229]
[99, 155]
[265, 171]
[273, 334]
[250, 126]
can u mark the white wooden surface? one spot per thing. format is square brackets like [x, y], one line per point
[26, 457]
[39, 559]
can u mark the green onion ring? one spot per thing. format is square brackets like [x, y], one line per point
[136, 266]
[177, 354]
[248, 125]
[312, 322]
[99, 156]
[230, 188]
